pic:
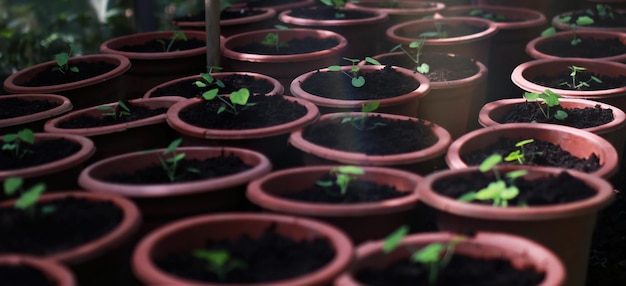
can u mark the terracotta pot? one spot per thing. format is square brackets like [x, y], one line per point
[405, 104]
[361, 221]
[150, 69]
[524, 74]
[615, 131]
[271, 141]
[475, 46]
[566, 26]
[284, 68]
[34, 121]
[60, 174]
[517, 250]
[460, 98]
[421, 161]
[144, 134]
[536, 47]
[230, 27]
[285, 6]
[358, 32]
[507, 46]
[547, 8]
[579, 143]
[192, 233]
[277, 90]
[162, 203]
[57, 273]
[93, 91]
[109, 251]
[564, 228]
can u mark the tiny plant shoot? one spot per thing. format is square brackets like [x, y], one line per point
[62, 61]
[175, 36]
[219, 262]
[343, 176]
[489, 16]
[337, 4]
[519, 155]
[28, 198]
[207, 81]
[438, 33]
[358, 122]
[122, 110]
[576, 83]
[551, 99]
[422, 68]
[13, 141]
[357, 80]
[497, 191]
[272, 39]
[170, 164]
[580, 21]
[236, 98]
[604, 11]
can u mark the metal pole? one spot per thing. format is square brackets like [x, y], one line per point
[212, 16]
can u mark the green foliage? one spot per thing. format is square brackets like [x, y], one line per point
[121, 110]
[439, 32]
[272, 39]
[604, 11]
[337, 4]
[357, 80]
[28, 198]
[236, 98]
[550, 99]
[488, 16]
[422, 68]
[208, 80]
[359, 122]
[578, 84]
[62, 60]
[519, 155]
[343, 176]
[219, 262]
[13, 142]
[170, 164]
[580, 21]
[175, 37]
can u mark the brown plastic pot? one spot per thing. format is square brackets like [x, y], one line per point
[100, 89]
[566, 26]
[361, 221]
[57, 273]
[192, 233]
[565, 228]
[235, 26]
[287, 6]
[536, 47]
[34, 121]
[404, 104]
[519, 251]
[547, 8]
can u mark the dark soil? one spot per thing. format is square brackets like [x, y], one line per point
[160, 46]
[442, 67]
[269, 3]
[42, 152]
[576, 117]
[268, 111]
[551, 155]
[227, 14]
[328, 13]
[540, 192]
[396, 5]
[137, 112]
[291, 47]
[15, 107]
[359, 191]
[231, 83]
[564, 81]
[271, 257]
[386, 83]
[461, 270]
[588, 48]
[73, 222]
[215, 167]
[395, 137]
[55, 77]
[449, 31]
[619, 19]
[23, 275]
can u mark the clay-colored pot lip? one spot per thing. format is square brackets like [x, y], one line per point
[228, 52]
[268, 13]
[52, 125]
[420, 91]
[89, 182]
[542, 256]
[602, 198]
[257, 194]
[87, 149]
[111, 46]
[531, 46]
[277, 90]
[486, 119]
[439, 148]
[65, 106]
[490, 30]
[518, 76]
[145, 268]
[535, 18]
[173, 119]
[609, 166]
[421, 9]
[293, 4]
[563, 26]
[53, 270]
[377, 17]
[12, 83]
[131, 219]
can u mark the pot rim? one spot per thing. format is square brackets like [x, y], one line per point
[111, 46]
[531, 46]
[268, 13]
[53, 270]
[65, 106]
[562, 26]
[377, 18]
[491, 29]
[424, 9]
[535, 18]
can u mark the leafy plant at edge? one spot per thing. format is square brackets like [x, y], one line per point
[604, 11]
[580, 21]
[358, 122]
[357, 80]
[62, 60]
[209, 80]
[175, 36]
[578, 84]
[235, 98]
[343, 176]
[489, 16]
[28, 198]
[272, 39]
[422, 68]
[519, 155]
[551, 99]
[170, 164]
[13, 141]
[435, 255]
[337, 4]
[219, 262]
[115, 112]
[498, 191]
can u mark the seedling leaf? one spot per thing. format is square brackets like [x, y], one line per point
[490, 162]
[12, 184]
[392, 241]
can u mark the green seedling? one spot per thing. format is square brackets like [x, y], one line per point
[604, 11]
[207, 81]
[236, 98]
[170, 164]
[435, 255]
[438, 33]
[489, 16]
[496, 191]
[219, 262]
[550, 99]
[519, 155]
[422, 68]
[175, 36]
[359, 121]
[13, 142]
[357, 80]
[578, 84]
[343, 176]
[580, 21]
[121, 110]
[62, 61]
[337, 4]
[272, 39]
[28, 198]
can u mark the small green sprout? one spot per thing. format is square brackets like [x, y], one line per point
[28, 198]
[580, 21]
[422, 68]
[115, 112]
[208, 80]
[604, 11]
[337, 4]
[170, 165]
[551, 99]
[497, 191]
[343, 176]
[519, 155]
[272, 39]
[175, 36]
[219, 262]
[578, 84]
[62, 61]
[438, 33]
[357, 80]
[489, 16]
[13, 142]
[359, 121]
[236, 98]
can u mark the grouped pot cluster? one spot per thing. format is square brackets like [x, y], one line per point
[335, 144]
